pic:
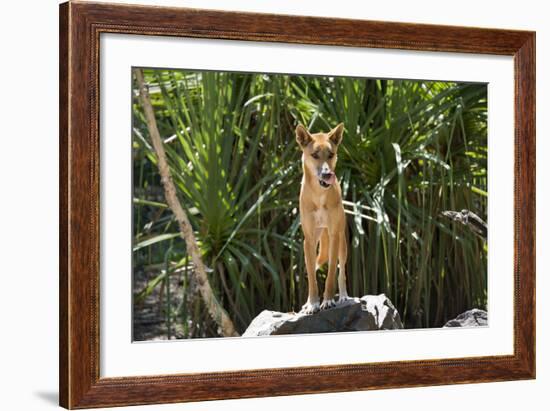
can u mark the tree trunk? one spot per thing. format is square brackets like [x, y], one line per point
[218, 313]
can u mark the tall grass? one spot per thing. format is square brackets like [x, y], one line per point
[411, 150]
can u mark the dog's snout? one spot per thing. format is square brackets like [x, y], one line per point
[325, 169]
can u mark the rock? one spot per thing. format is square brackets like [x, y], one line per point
[471, 318]
[371, 312]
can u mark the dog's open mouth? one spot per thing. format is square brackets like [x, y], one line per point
[327, 179]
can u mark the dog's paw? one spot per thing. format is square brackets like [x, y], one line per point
[343, 299]
[310, 308]
[328, 304]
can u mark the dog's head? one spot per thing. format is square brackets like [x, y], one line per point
[319, 152]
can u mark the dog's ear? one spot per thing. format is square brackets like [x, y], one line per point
[302, 136]
[335, 135]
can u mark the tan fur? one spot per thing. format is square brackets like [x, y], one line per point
[322, 216]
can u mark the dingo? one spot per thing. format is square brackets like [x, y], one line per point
[322, 215]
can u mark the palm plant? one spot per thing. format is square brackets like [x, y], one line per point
[411, 150]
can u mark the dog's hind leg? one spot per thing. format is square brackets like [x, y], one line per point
[342, 258]
[322, 258]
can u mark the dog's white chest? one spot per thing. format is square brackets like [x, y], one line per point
[321, 217]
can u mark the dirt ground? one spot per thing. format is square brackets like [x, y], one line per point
[149, 320]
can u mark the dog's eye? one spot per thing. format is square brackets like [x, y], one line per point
[330, 155]
[315, 156]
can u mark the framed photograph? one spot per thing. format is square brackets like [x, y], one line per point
[259, 205]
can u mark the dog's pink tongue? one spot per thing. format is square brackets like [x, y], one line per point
[331, 180]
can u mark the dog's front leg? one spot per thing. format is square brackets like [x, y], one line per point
[328, 295]
[312, 304]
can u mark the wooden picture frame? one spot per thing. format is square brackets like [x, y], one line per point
[80, 27]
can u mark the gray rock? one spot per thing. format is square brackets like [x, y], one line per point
[371, 312]
[471, 318]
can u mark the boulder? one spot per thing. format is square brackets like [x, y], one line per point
[471, 318]
[371, 312]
